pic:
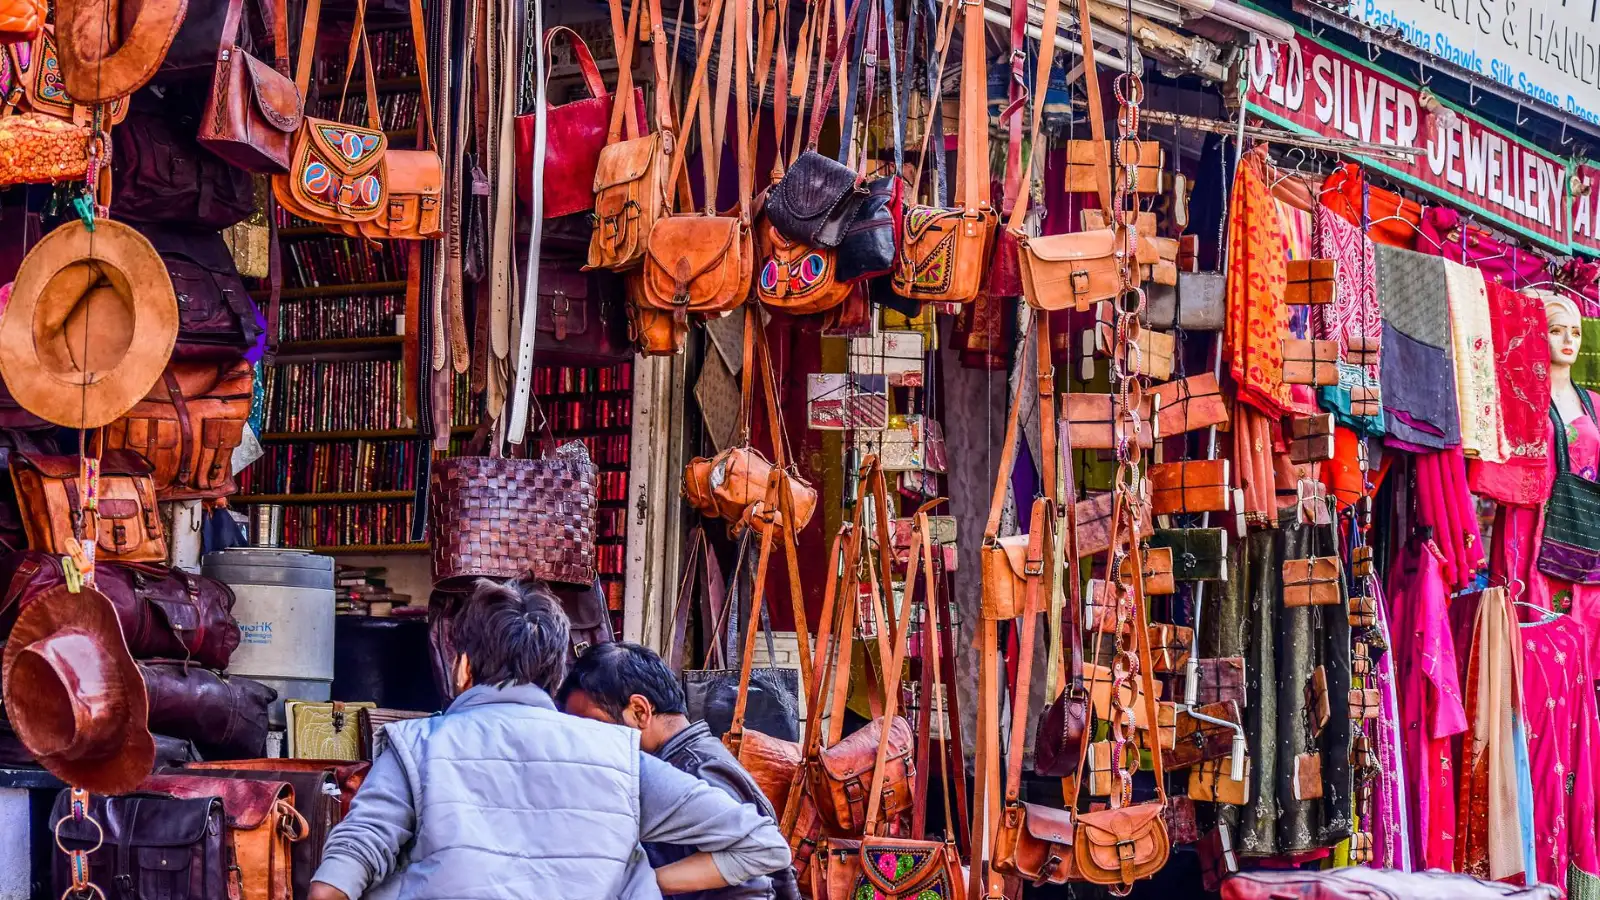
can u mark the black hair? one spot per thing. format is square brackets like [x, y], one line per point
[612, 673]
[513, 633]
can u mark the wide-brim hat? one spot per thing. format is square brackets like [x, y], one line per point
[90, 326]
[73, 693]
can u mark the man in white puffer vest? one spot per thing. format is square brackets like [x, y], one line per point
[503, 796]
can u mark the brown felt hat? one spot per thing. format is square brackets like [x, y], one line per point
[90, 326]
[73, 693]
[111, 48]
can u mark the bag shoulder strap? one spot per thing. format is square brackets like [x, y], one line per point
[1041, 545]
[624, 36]
[1041, 81]
[974, 147]
[1097, 113]
[426, 140]
[942, 36]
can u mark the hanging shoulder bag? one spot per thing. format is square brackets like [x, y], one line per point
[254, 108]
[127, 524]
[336, 171]
[188, 426]
[1569, 548]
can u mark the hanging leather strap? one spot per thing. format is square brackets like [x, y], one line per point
[1041, 81]
[1040, 546]
[419, 40]
[974, 168]
[624, 37]
[1097, 113]
[1018, 96]
[517, 427]
[359, 45]
[942, 38]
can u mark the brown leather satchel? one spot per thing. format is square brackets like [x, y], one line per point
[631, 186]
[1100, 421]
[1191, 486]
[1189, 404]
[263, 824]
[127, 524]
[187, 428]
[703, 263]
[254, 108]
[944, 251]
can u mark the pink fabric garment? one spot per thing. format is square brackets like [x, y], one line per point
[1390, 823]
[1444, 234]
[1354, 310]
[1522, 374]
[1516, 550]
[1428, 685]
[1563, 744]
[1445, 505]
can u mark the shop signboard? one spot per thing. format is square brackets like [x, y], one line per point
[1586, 210]
[1546, 50]
[1309, 86]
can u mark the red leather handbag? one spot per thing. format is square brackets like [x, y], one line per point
[576, 134]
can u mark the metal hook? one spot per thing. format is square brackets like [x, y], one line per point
[1422, 75]
[1566, 140]
[1372, 51]
[1472, 94]
[1520, 120]
[1317, 28]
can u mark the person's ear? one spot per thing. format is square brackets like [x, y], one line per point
[638, 712]
[462, 674]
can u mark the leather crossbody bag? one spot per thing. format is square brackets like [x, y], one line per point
[944, 251]
[703, 263]
[870, 242]
[127, 524]
[148, 840]
[254, 108]
[631, 186]
[263, 826]
[336, 171]
[187, 428]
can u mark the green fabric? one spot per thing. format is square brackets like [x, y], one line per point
[1586, 370]
[1582, 885]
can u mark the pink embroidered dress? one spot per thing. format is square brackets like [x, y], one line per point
[1563, 744]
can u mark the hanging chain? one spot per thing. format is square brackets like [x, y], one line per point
[1125, 365]
[80, 888]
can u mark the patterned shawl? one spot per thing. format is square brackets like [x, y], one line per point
[1477, 392]
[1258, 318]
[1489, 841]
[1419, 380]
[1354, 311]
[1522, 376]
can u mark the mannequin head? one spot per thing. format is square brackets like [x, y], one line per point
[1565, 329]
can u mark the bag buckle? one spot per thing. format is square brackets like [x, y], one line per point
[1077, 287]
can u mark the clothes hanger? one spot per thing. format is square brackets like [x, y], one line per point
[1290, 173]
[1547, 615]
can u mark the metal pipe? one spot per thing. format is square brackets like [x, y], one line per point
[998, 12]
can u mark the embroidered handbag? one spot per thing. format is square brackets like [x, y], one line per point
[795, 277]
[30, 81]
[944, 251]
[631, 187]
[577, 133]
[42, 149]
[336, 171]
[885, 868]
[1569, 547]
[1192, 486]
[21, 20]
[253, 108]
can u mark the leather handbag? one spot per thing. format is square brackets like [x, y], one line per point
[945, 251]
[843, 773]
[1570, 543]
[1311, 438]
[1013, 566]
[42, 149]
[816, 200]
[414, 179]
[370, 723]
[163, 612]
[498, 517]
[1189, 404]
[336, 171]
[1198, 554]
[254, 108]
[263, 826]
[1310, 362]
[575, 135]
[187, 428]
[161, 174]
[1311, 582]
[154, 844]
[631, 186]
[217, 320]
[1087, 159]
[868, 249]
[1099, 421]
[795, 277]
[1191, 486]
[1197, 302]
[580, 322]
[13, 535]
[890, 869]
[1358, 882]
[704, 263]
[224, 715]
[324, 730]
[127, 523]
[732, 483]
[1094, 517]
[322, 793]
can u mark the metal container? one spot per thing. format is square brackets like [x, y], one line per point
[285, 615]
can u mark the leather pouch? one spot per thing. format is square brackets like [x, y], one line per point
[325, 730]
[1189, 404]
[1365, 402]
[1318, 709]
[1212, 782]
[795, 277]
[1201, 741]
[1169, 647]
[1311, 582]
[1310, 362]
[1221, 681]
[1094, 525]
[1311, 439]
[1198, 554]
[127, 525]
[1158, 576]
[1308, 776]
[1192, 486]
[1364, 703]
[1085, 159]
[1197, 302]
[1097, 421]
[1361, 561]
[1360, 350]
[1156, 349]
[1309, 281]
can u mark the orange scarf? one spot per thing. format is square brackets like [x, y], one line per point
[1258, 319]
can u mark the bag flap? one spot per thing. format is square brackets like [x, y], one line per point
[900, 868]
[122, 462]
[685, 247]
[624, 161]
[181, 615]
[584, 605]
[1015, 548]
[148, 819]
[276, 97]
[1194, 473]
[562, 281]
[857, 753]
[351, 150]
[414, 172]
[811, 187]
[1316, 570]
[49, 465]
[919, 220]
[1100, 244]
[1104, 829]
[1044, 823]
[246, 802]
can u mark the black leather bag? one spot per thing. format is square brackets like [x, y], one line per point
[225, 716]
[869, 247]
[150, 846]
[316, 799]
[773, 708]
[161, 174]
[816, 200]
[216, 317]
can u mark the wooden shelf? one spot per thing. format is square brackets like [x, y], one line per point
[338, 497]
[336, 345]
[357, 435]
[338, 290]
[353, 549]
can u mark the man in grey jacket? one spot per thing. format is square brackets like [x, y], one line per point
[504, 796]
[627, 684]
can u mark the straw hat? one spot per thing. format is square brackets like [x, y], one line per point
[73, 693]
[90, 326]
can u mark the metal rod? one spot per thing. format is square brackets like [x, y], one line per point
[998, 12]
[1277, 135]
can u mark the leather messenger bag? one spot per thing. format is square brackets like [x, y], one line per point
[263, 826]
